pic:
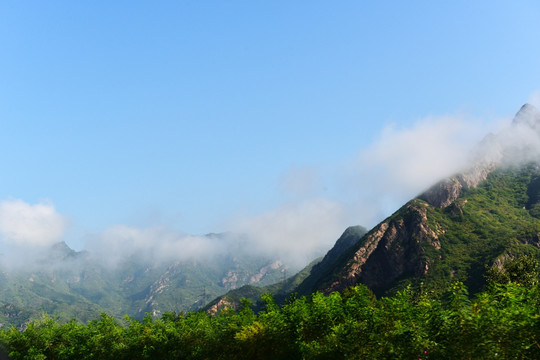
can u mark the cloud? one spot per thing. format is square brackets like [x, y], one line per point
[156, 244]
[23, 224]
[403, 162]
[295, 233]
[518, 143]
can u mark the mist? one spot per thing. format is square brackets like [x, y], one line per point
[405, 161]
[158, 244]
[518, 143]
[296, 233]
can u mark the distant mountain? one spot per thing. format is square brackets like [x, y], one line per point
[70, 284]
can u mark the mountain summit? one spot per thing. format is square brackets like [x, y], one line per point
[528, 115]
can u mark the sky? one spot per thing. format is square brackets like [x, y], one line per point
[287, 120]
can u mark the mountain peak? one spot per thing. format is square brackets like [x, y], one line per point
[528, 115]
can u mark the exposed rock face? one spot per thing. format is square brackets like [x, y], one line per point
[222, 304]
[264, 270]
[230, 281]
[236, 277]
[447, 191]
[393, 249]
[443, 193]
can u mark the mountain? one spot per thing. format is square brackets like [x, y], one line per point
[70, 284]
[455, 230]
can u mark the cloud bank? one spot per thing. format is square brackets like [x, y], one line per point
[296, 233]
[154, 244]
[400, 164]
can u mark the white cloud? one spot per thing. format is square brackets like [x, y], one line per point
[25, 224]
[403, 162]
[119, 242]
[296, 233]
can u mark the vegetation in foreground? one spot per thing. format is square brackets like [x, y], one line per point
[502, 322]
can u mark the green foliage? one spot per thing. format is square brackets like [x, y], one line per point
[522, 270]
[501, 322]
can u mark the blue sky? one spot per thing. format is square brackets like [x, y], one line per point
[199, 116]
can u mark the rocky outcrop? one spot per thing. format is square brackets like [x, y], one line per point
[220, 305]
[230, 280]
[265, 270]
[448, 190]
[443, 193]
[392, 250]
